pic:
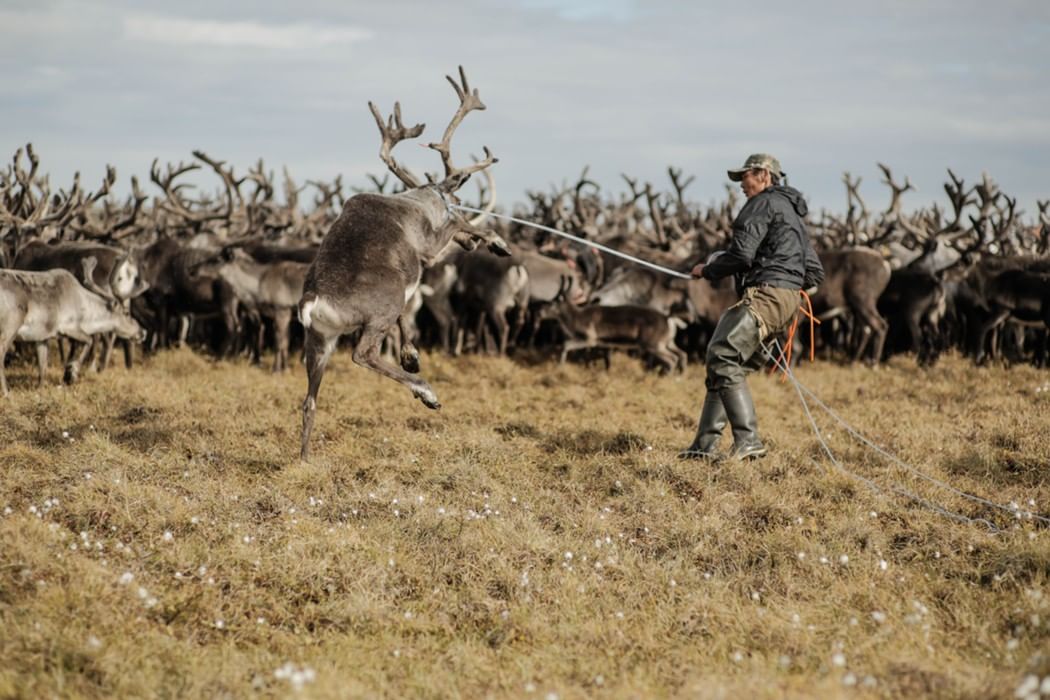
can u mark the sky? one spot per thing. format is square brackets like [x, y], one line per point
[617, 85]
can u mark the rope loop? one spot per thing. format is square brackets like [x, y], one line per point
[804, 309]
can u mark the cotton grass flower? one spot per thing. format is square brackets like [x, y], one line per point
[1030, 687]
[296, 677]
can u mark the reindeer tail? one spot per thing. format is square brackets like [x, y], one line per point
[306, 307]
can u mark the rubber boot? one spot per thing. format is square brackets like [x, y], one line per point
[709, 432]
[740, 410]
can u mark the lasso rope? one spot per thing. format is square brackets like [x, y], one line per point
[803, 391]
[583, 241]
[783, 362]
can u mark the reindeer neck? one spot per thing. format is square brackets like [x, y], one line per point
[433, 236]
[95, 314]
[243, 275]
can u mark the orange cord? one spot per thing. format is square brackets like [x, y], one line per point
[806, 308]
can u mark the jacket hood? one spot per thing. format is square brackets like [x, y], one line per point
[798, 202]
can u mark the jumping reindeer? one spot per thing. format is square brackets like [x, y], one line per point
[371, 260]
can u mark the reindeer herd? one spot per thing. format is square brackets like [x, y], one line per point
[248, 267]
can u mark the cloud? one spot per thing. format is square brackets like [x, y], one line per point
[587, 10]
[250, 34]
[622, 85]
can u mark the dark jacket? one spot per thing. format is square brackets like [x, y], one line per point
[770, 244]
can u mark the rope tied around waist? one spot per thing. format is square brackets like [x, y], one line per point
[804, 309]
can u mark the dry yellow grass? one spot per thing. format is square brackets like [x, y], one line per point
[534, 537]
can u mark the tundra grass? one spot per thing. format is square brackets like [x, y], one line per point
[536, 537]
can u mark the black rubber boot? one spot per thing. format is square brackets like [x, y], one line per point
[709, 432]
[740, 410]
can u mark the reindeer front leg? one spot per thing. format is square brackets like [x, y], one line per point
[492, 240]
[79, 348]
[465, 240]
[409, 353]
[41, 362]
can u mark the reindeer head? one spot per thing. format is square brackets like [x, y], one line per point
[125, 279]
[437, 196]
[127, 327]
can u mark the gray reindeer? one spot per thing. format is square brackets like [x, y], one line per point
[371, 260]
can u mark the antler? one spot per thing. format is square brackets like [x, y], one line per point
[468, 102]
[89, 264]
[393, 133]
[26, 211]
[656, 214]
[26, 180]
[264, 184]
[489, 206]
[854, 224]
[585, 212]
[110, 229]
[128, 222]
[1044, 226]
[894, 209]
[636, 193]
[988, 192]
[679, 186]
[232, 184]
[173, 203]
[107, 182]
[959, 198]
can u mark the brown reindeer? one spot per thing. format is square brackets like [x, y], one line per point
[856, 277]
[370, 262]
[1020, 292]
[265, 289]
[616, 327]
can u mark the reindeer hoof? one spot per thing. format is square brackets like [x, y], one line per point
[427, 396]
[499, 247]
[410, 362]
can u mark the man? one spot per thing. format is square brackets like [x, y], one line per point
[772, 258]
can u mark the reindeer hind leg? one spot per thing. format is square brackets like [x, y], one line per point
[318, 351]
[367, 355]
[282, 319]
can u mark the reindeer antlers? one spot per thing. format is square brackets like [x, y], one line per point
[394, 131]
[469, 100]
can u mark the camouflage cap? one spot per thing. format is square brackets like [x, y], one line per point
[762, 161]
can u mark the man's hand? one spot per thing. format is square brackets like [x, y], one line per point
[698, 271]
